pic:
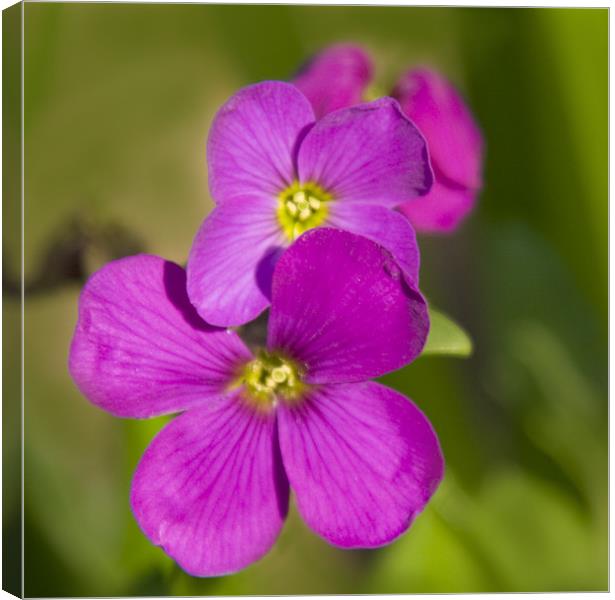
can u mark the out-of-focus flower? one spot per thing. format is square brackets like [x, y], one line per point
[212, 489]
[275, 173]
[339, 77]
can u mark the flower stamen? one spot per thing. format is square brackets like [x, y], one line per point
[302, 206]
[270, 377]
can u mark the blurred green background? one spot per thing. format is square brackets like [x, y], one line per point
[118, 101]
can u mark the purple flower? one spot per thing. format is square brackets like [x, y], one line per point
[339, 76]
[212, 489]
[275, 173]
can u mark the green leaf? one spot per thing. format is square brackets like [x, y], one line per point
[446, 337]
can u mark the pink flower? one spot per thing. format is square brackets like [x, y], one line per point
[276, 172]
[212, 489]
[339, 76]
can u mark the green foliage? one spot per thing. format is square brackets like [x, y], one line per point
[446, 337]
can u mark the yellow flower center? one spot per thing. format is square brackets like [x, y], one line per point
[302, 206]
[270, 377]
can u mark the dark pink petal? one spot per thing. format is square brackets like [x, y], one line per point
[335, 78]
[440, 211]
[253, 138]
[211, 490]
[232, 259]
[367, 153]
[437, 109]
[363, 461]
[382, 225]
[140, 349]
[342, 306]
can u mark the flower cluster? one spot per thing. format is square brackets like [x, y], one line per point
[307, 180]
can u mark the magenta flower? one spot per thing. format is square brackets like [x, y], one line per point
[339, 76]
[275, 173]
[212, 489]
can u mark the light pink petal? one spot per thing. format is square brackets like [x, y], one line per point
[232, 259]
[363, 461]
[140, 349]
[440, 211]
[335, 78]
[211, 490]
[343, 307]
[252, 140]
[438, 110]
[385, 227]
[368, 153]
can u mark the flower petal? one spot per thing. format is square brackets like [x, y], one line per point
[382, 225]
[440, 211]
[211, 490]
[252, 140]
[342, 306]
[363, 461]
[367, 153]
[232, 258]
[454, 139]
[139, 348]
[335, 78]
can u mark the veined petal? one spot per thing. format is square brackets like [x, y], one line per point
[232, 258]
[455, 141]
[440, 211]
[335, 78]
[385, 227]
[140, 349]
[363, 461]
[369, 153]
[211, 490]
[343, 307]
[251, 145]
